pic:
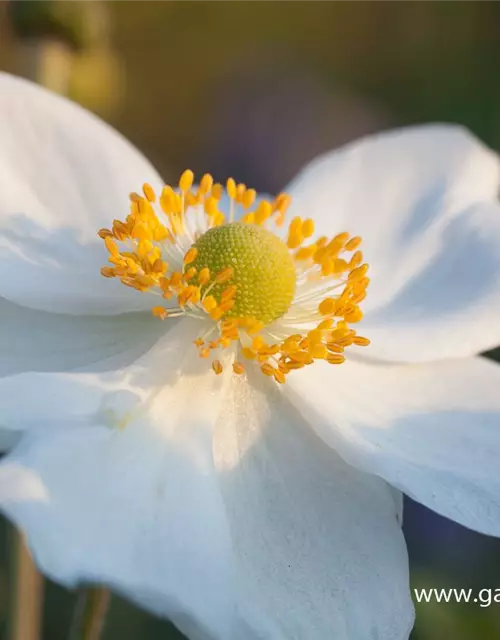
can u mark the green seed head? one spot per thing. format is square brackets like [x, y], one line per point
[263, 269]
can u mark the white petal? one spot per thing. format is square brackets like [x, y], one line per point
[99, 394]
[64, 175]
[433, 431]
[425, 201]
[138, 508]
[319, 551]
[33, 340]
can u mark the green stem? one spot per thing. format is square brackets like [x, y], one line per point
[27, 594]
[90, 613]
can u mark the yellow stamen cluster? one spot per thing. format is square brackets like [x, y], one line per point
[164, 246]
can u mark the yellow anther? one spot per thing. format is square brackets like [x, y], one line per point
[190, 255]
[340, 265]
[167, 198]
[217, 367]
[175, 279]
[356, 260]
[149, 192]
[319, 351]
[140, 231]
[360, 341]
[217, 191]
[205, 353]
[238, 368]
[354, 316]
[226, 305]
[206, 183]
[191, 199]
[353, 243]
[159, 312]
[264, 210]
[224, 275]
[327, 306]
[253, 326]
[111, 246]
[219, 219]
[211, 206]
[258, 343]
[267, 369]
[334, 347]
[104, 233]
[325, 324]
[120, 230]
[190, 274]
[144, 208]
[209, 303]
[341, 238]
[282, 203]
[358, 273]
[186, 181]
[305, 253]
[249, 198]
[283, 367]
[108, 272]
[314, 336]
[327, 266]
[279, 376]
[295, 239]
[199, 342]
[228, 293]
[231, 188]
[204, 276]
[308, 228]
[159, 266]
[240, 192]
[335, 359]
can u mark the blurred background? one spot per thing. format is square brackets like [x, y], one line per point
[255, 90]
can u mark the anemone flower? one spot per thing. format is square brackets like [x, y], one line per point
[206, 428]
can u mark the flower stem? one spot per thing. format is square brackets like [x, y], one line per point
[27, 594]
[90, 613]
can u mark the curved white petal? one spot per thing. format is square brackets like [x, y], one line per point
[64, 174]
[433, 431]
[319, 551]
[139, 507]
[33, 340]
[98, 392]
[425, 201]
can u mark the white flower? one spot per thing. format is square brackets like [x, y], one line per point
[215, 499]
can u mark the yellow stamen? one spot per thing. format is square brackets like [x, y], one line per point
[149, 192]
[217, 367]
[190, 255]
[231, 188]
[186, 180]
[238, 368]
[147, 252]
[160, 312]
[204, 276]
[224, 275]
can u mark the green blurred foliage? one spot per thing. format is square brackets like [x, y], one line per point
[64, 21]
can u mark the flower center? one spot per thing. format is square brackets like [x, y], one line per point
[278, 305]
[263, 271]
